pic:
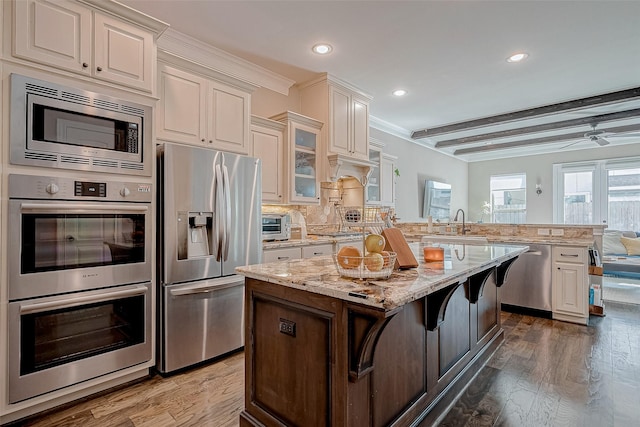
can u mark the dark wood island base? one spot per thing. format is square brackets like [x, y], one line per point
[316, 360]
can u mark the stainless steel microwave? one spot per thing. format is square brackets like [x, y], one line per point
[62, 127]
[276, 226]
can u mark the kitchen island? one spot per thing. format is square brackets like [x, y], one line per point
[325, 350]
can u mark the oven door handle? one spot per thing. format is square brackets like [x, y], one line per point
[80, 207]
[39, 307]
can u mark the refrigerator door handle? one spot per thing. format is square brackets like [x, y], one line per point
[219, 226]
[227, 211]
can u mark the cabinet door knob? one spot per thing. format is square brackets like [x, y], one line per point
[85, 65]
[202, 140]
[210, 141]
[99, 68]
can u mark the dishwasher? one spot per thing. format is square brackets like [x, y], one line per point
[527, 287]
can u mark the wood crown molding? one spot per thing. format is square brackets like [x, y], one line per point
[268, 123]
[330, 78]
[191, 49]
[127, 13]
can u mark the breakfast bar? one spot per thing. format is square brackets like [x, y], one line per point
[324, 350]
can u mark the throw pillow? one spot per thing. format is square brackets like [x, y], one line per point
[632, 245]
[611, 244]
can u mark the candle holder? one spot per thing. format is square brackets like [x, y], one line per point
[433, 254]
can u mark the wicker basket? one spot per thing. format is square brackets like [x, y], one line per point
[355, 267]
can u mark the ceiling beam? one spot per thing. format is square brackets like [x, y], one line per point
[608, 98]
[541, 140]
[564, 124]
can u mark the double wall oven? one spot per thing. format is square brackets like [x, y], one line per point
[79, 275]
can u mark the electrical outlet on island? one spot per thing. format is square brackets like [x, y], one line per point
[557, 232]
[543, 231]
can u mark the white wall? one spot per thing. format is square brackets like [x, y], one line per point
[416, 164]
[539, 169]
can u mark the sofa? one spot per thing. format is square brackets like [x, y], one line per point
[621, 254]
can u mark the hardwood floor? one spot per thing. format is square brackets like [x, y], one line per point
[550, 373]
[547, 373]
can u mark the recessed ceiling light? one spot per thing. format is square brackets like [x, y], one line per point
[322, 48]
[517, 57]
[399, 92]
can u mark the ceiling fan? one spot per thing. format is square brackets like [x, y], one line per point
[602, 137]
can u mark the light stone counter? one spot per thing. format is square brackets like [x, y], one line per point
[319, 275]
[519, 240]
[313, 240]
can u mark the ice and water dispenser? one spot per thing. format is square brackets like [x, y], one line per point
[195, 234]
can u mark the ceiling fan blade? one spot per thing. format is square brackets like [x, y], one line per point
[624, 135]
[601, 141]
[569, 145]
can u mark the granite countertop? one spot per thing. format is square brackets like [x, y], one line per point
[319, 275]
[523, 240]
[310, 240]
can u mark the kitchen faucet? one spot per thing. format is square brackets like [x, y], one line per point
[455, 218]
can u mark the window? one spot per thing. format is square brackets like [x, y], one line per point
[600, 192]
[508, 199]
[623, 194]
[578, 197]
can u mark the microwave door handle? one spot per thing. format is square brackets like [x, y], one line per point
[219, 226]
[80, 208]
[227, 211]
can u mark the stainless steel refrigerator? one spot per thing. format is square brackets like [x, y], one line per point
[209, 222]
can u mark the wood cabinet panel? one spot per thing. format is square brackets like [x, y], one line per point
[295, 386]
[316, 250]
[399, 377]
[360, 132]
[362, 366]
[228, 122]
[488, 312]
[70, 36]
[281, 254]
[179, 116]
[454, 331]
[123, 53]
[55, 33]
[570, 284]
[340, 106]
[267, 141]
[200, 111]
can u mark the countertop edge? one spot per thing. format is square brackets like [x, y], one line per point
[332, 285]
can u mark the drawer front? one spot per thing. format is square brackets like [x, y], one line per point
[569, 254]
[284, 254]
[316, 250]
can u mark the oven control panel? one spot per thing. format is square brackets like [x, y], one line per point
[59, 188]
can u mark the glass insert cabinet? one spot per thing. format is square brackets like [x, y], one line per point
[302, 142]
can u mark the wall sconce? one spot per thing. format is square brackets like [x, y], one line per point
[538, 189]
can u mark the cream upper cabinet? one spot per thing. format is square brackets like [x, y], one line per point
[387, 180]
[380, 189]
[123, 53]
[228, 118]
[267, 138]
[344, 110]
[570, 295]
[71, 36]
[302, 144]
[200, 111]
